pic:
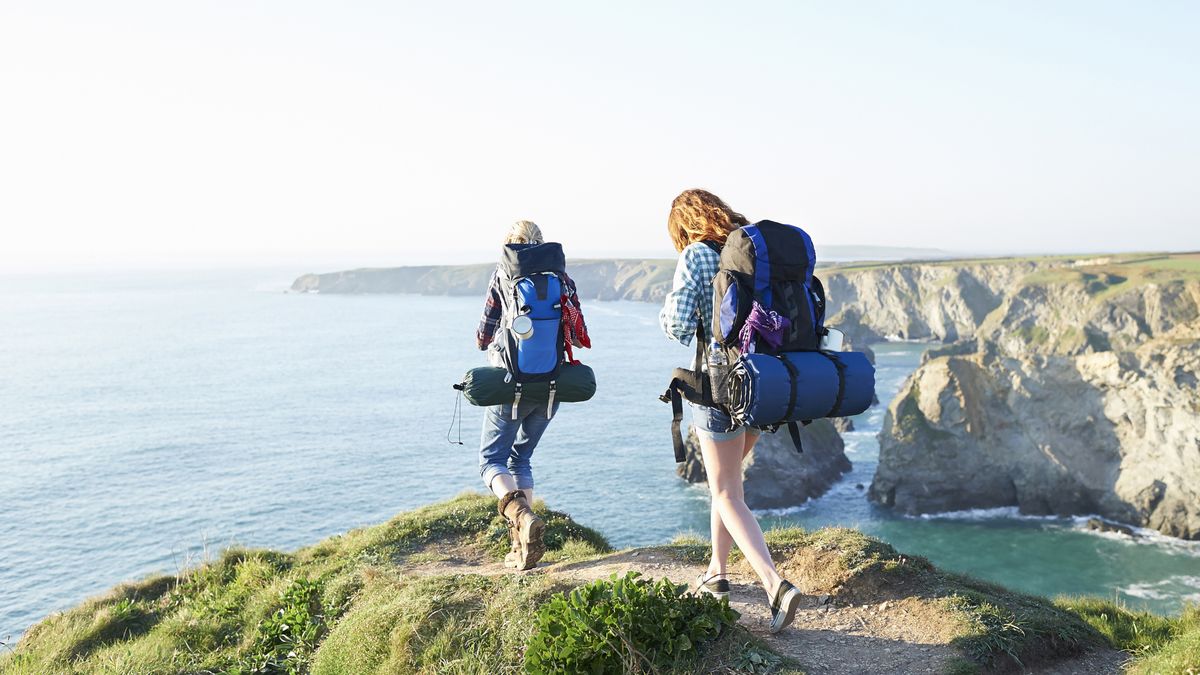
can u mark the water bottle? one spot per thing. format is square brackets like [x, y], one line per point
[718, 373]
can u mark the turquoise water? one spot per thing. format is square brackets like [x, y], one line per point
[148, 421]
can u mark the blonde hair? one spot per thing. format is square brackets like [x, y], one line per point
[524, 232]
[699, 215]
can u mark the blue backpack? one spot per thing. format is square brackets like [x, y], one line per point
[531, 342]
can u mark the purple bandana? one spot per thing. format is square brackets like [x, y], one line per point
[769, 325]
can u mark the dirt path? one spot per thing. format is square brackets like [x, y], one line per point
[899, 636]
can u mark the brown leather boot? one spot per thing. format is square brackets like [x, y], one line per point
[514, 549]
[529, 529]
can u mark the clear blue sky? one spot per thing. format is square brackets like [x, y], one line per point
[164, 133]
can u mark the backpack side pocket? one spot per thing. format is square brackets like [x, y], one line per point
[733, 296]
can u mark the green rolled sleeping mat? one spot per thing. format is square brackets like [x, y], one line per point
[485, 386]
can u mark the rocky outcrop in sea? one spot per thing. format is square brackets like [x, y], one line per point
[1078, 395]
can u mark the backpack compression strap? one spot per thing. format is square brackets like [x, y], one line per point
[794, 432]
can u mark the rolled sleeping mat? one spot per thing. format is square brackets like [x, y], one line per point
[486, 386]
[763, 389]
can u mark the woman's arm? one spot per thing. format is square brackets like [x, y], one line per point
[679, 312]
[492, 309]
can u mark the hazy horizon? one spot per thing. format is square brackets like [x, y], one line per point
[143, 135]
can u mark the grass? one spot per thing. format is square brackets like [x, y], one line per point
[1158, 644]
[248, 610]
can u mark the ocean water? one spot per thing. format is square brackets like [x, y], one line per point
[147, 421]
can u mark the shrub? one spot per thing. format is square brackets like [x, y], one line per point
[288, 637]
[625, 624]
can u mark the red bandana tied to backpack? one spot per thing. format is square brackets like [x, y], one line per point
[574, 329]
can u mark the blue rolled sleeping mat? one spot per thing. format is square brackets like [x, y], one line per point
[767, 389]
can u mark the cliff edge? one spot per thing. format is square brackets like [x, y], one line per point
[427, 593]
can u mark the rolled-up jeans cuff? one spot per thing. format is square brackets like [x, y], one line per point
[489, 472]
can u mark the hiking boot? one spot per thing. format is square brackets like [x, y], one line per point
[783, 606]
[712, 585]
[528, 530]
[510, 559]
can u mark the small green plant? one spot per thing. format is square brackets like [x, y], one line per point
[625, 624]
[756, 661]
[287, 639]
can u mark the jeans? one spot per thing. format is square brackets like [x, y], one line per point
[506, 445]
[715, 425]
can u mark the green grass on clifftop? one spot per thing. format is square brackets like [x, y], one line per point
[1159, 644]
[341, 606]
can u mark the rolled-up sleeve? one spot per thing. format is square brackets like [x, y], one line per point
[678, 315]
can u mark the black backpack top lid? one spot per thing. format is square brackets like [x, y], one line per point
[520, 260]
[770, 252]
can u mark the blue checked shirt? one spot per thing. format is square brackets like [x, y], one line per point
[691, 293]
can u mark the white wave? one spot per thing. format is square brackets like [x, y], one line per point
[1174, 587]
[1141, 535]
[785, 511]
[996, 513]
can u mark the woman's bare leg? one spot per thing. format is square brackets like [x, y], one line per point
[721, 541]
[723, 463]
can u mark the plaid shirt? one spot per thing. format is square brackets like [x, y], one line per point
[691, 293]
[493, 308]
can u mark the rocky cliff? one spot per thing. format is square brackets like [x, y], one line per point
[1076, 395]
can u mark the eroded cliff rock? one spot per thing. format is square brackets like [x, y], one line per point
[1079, 397]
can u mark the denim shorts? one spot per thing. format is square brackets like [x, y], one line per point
[715, 425]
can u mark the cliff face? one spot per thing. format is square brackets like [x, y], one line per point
[1079, 396]
[930, 301]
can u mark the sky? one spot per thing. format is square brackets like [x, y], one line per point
[186, 134]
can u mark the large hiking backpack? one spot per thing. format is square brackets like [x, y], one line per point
[531, 342]
[763, 364]
[771, 264]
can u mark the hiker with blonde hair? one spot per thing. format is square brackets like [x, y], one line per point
[511, 431]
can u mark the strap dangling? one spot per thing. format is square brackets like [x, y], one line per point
[457, 416]
[516, 402]
[550, 404]
[794, 431]
[676, 418]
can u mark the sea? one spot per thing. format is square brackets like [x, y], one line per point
[150, 420]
